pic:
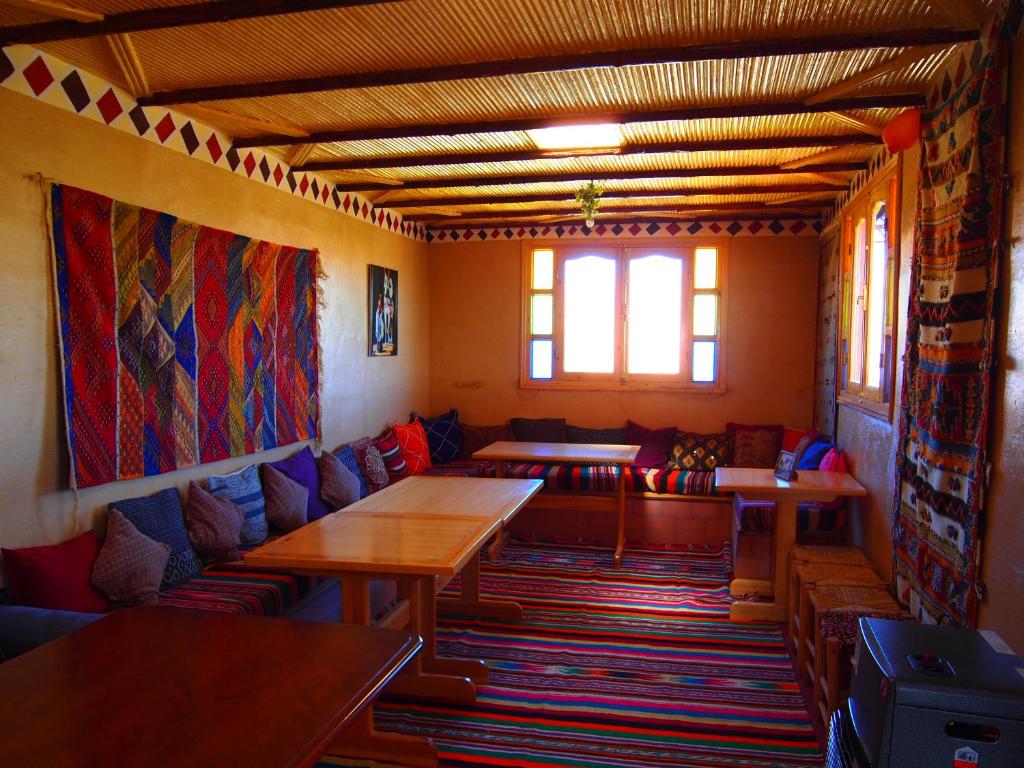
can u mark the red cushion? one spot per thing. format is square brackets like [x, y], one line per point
[412, 441]
[792, 437]
[57, 576]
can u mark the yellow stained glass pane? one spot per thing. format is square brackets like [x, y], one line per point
[543, 270]
[705, 269]
[542, 314]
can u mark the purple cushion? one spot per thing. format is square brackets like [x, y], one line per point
[301, 467]
[214, 524]
[131, 565]
[286, 499]
[655, 444]
[538, 430]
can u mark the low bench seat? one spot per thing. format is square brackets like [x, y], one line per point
[598, 478]
[240, 589]
[463, 468]
[758, 516]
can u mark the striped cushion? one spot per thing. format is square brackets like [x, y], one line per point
[568, 477]
[243, 488]
[676, 481]
[391, 453]
[159, 517]
[345, 455]
[757, 516]
[241, 589]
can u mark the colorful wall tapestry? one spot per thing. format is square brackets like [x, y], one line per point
[180, 343]
[944, 420]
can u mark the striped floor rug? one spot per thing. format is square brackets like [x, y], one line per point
[631, 668]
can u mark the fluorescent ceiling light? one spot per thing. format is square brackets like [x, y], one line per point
[577, 136]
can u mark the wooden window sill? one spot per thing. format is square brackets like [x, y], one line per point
[873, 408]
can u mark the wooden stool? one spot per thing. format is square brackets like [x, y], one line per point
[804, 574]
[822, 553]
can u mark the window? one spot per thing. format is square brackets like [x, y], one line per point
[870, 257]
[608, 317]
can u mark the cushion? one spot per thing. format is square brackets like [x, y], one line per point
[607, 435]
[371, 464]
[833, 461]
[655, 444]
[476, 438]
[286, 499]
[214, 524]
[391, 453]
[813, 454]
[792, 437]
[412, 442]
[131, 565]
[675, 481]
[755, 445]
[692, 451]
[159, 517]
[242, 589]
[23, 628]
[538, 430]
[57, 576]
[338, 486]
[346, 456]
[302, 468]
[243, 488]
[443, 434]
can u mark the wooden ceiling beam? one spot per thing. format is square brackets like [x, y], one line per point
[853, 121]
[808, 163]
[217, 11]
[853, 82]
[128, 61]
[503, 125]
[667, 147]
[562, 63]
[54, 8]
[962, 14]
[544, 197]
[725, 208]
[581, 176]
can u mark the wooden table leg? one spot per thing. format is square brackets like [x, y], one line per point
[620, 536]
[785, 537]
[469, 602]
[361, 740]
[500, 468]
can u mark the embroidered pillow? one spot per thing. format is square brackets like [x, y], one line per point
[371, 464]
[655, 444]
[412, 441]
[338, 486]
[131, 565]
[538, 430]
[700, 453]
[301, 467]
[57, 576]
[608, 435]
[159, 517]
[476, 438]
[443, 434]
[214, 524]
[391, 453]
[755, 445]
[287, 501]
[244, 489]
[346, 456]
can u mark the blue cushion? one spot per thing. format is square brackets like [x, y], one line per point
[301, 467]
[347, 457]
[23, 628]
[244, 489]
[159, 517]
[814, 453]
[444, 436]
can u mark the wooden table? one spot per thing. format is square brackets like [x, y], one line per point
[505, 451]
[754, 483]
[402, 536]
[171, 686]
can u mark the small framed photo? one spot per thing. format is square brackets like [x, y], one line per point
[383, 315]
[785, 466]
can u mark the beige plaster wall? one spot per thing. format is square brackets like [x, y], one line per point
[359, 393]
[770, 326]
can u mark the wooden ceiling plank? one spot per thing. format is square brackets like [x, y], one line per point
[905, 59]
[961, 14]
[365, 181]
[788, 199]
[712, 145]
[301, 155]
[852, 121]
[581, 176]
[835, 181]
[814, 161]
[128, 61]
[503, 125]
[204, 111]
[542, 197]
[606, 210]
[54, 8]
[563, 63]
[210, 12]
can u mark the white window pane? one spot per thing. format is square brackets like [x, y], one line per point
[543, 270]
[705, 269]
[876, 296]
[542, 314]
[655, 310]
[705, 314]
[857, 310]
[540, 358]
[704, 360]
[590, 314]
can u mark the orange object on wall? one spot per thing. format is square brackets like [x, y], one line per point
[903, 131]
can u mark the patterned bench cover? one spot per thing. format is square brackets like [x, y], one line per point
[758, 515]
[463, 468]
[602, 478]
[241, 589]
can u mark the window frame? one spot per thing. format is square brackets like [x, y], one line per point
[620, 379]
[875, 401]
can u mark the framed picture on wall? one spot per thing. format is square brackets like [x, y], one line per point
[383, 315]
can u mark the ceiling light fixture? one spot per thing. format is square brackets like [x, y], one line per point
[596, 136]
